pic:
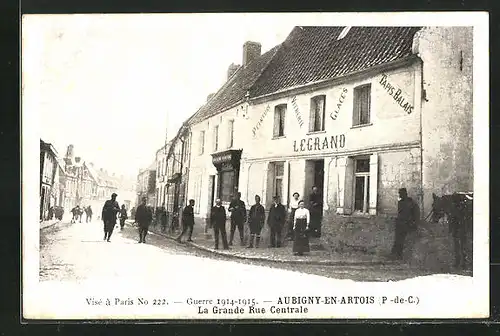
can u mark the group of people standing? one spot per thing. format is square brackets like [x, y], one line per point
[302, 222]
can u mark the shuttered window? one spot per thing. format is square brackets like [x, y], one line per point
[317, 116]
[362, 102]
[279, 120]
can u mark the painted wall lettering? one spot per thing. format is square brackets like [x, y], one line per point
[261, 119]
[396, 94]
[319, 143]
[297, 112]
[335, 113]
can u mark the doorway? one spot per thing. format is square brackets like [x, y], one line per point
[315, 175]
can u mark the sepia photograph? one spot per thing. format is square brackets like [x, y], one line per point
[255, 166]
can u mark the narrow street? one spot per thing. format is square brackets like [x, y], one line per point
[72, 252]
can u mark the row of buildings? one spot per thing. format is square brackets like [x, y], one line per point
[69, 181]
[358, 112]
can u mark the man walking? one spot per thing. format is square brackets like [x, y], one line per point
[109, 212]
[218, 220]
[256, 219]
[143, 217]
[406, 222]
[276, 221]
[89, 214]
[123, 216]
[238, 217]
[187, 221]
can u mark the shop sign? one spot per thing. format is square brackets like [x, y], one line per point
[319, 143]
[396, 93]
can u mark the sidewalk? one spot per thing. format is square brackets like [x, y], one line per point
[283, 254]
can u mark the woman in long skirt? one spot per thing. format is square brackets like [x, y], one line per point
[301, 222]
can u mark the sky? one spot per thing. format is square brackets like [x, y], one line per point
[115, 85]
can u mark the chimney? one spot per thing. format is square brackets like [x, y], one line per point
[211, 95]
[232, 69]
[251, 51]
[69, 152]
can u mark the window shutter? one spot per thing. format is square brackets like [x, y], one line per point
[356, 107]
[321, 113]
[282, 119]
[312, 115]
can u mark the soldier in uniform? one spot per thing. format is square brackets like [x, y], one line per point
[218, 219]
[109, 212]
[406, 222]
[256, 219]
[143, 217]
[187, 221]
[276, 221]
[238, 217]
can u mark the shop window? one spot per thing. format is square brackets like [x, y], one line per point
[226, 185]
[231, 133]
[202, 142]
[317, 116]
[362, 102]
[279, 121]
[361, 185]
[216, 138]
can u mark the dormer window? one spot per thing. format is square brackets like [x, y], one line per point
[343, 33]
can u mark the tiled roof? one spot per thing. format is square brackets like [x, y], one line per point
[235, 89]
[311, 54]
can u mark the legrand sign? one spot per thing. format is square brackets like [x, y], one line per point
[319, 143]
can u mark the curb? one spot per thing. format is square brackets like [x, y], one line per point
[51, 225]
[282, 261]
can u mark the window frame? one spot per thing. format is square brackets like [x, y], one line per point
[216, 138]
[280, 112]
[314, 116]
[366, 187]
[279, 177]
[201, 149]
[231, 133]
[357, 113]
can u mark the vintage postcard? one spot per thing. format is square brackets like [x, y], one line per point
[255, 166]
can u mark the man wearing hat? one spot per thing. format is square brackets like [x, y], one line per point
[143, 217]
[109, 211]
[406, 222]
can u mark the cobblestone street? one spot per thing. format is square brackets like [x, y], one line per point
[77, 252]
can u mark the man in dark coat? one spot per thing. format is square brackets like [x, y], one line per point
[316, 211]
[109, 212]
[76, 212]
[143, 217]
[89, 214]
[256, 218]
[406, 222]
[187, 221]
[238, 217]
[218, 220]
[276, 221]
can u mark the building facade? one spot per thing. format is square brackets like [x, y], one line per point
[48, 178]
[358, 112]
[161, 174]
[146, 185]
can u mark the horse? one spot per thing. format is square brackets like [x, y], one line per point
[457, 208]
